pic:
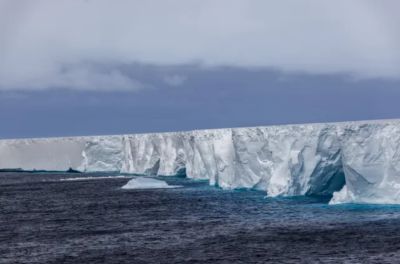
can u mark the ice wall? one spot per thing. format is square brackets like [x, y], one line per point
[371, 162]
[53, 154]
[310, 159]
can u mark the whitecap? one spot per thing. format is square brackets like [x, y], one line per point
[95, 178]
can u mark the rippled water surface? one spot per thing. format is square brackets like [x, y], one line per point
[47, 219]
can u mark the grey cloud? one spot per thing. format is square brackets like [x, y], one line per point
[359, 37]
[174, 80]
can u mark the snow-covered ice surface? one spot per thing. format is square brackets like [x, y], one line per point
[147, 183]
[361, 159]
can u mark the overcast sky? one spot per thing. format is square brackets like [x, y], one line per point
[97, 67]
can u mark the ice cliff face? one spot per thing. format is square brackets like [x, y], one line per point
[371, 163]
[361, 159]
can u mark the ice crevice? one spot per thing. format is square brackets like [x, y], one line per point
[357, 162]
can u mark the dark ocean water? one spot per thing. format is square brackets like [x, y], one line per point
[46, 220]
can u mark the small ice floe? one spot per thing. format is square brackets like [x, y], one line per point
[147, 183]
[95, 178]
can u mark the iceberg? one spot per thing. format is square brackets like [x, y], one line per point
[357, 162]
[147, 183]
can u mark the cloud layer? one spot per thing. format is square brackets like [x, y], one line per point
[83, 44]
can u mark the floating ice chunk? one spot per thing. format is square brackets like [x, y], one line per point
[147, 183]
[342, 196]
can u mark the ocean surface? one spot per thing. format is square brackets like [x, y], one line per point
[45, 218]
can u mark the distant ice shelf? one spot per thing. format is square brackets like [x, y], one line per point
[357, 162]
